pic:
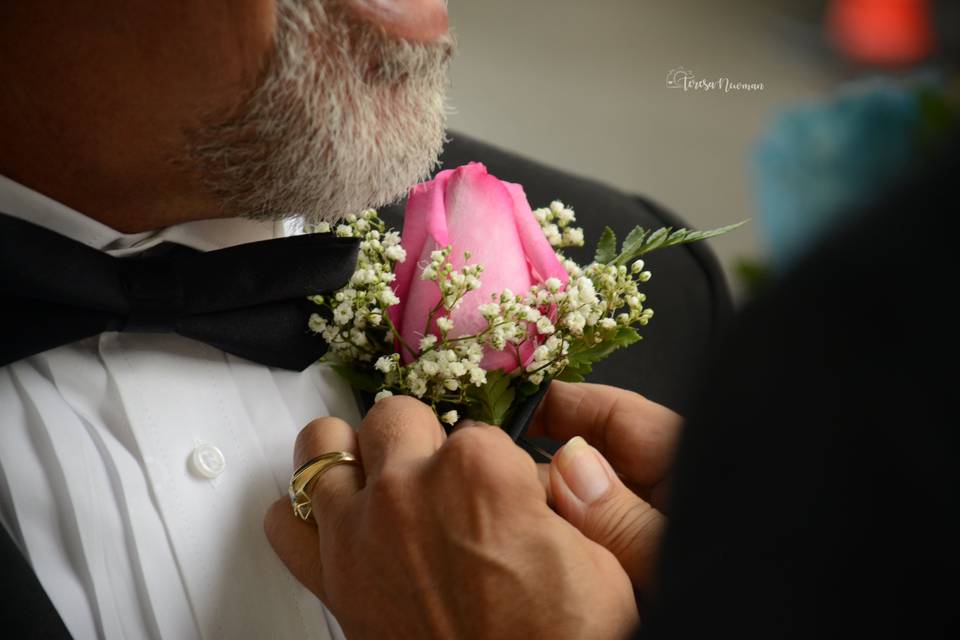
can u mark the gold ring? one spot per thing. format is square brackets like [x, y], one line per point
[304, 477]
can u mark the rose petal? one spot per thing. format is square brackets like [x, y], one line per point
[480, 219]
[421, 297]
[425, 216]
[541, 256]
[507, 358]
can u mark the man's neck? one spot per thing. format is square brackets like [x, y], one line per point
[125, 208]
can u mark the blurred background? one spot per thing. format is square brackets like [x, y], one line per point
[584, 86]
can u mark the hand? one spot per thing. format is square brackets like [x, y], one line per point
[438, 537]
[638, 436]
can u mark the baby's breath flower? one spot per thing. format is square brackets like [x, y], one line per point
[489, 310]
[541, 353]
[396, 253]
[444, 324]
[343, 313]
[450, 417]
[384, 364]
[566, 216]
[544, 325]
[575, 322]
[388, 297]
[553, 234]
[478, 376]
[573, 237]
[381, 395]
[531, 314]
[317, 323]
[475, 352]
[608, 323]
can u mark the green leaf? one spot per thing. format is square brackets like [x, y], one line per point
[362, 379]
[501, 407]
[685, 236]
[633, 241]
[696, 236]
[572, 374]
[606, 246]
[624, 337]
[527, 389]
[493, 400]
[656, 240]
[640, 242]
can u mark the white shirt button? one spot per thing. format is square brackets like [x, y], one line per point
[207, 461]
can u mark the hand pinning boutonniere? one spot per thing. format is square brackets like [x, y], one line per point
[476, 306]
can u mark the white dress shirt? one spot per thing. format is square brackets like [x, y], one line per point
[135, 469]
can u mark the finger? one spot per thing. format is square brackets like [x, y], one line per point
[636, 435]
[543, 474]
[338, 484]
[588, 494]
[295, 542]
[467, 423]
[397, 432]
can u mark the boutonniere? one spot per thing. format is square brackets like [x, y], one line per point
[475, 307]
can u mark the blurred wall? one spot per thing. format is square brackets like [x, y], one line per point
[581, 85]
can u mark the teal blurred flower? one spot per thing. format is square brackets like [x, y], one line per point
[823, 160]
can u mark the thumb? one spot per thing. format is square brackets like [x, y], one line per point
[589, 495]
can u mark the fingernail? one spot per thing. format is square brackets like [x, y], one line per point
[579, 465]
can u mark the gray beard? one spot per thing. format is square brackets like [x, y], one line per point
[344, 118]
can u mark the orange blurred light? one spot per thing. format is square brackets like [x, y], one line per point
[881, 32]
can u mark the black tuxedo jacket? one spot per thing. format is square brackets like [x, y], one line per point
[687, 291]
[817, 485]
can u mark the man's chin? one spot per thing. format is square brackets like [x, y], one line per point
[336, 133]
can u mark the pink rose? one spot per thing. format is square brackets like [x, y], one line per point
[470, 210]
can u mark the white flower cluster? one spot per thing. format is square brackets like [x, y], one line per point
[443, 367]
[356, 324]
[560, 321]
[555, 221]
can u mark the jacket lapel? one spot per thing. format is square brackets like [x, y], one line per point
[25, 609]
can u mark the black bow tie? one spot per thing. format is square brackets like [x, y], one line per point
[248, 300]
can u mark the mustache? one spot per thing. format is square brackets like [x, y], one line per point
[388, 59]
